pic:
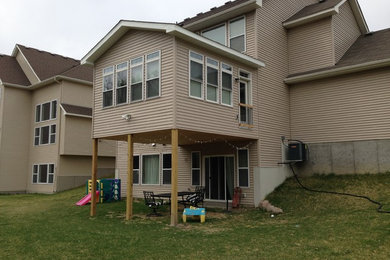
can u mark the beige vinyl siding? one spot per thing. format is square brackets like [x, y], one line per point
[251, 34]
[184, 167]
[349, 108]
[346, 30]
[76, 138]
[15, 139]
[203, 116]
[149, 115]
[310, 46]
[43, 154]
[76, 94]
[273, 95]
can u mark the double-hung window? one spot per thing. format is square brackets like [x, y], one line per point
[195, 168]
[153, 75]
[167, 168]
[237, 34]
[136, 79]
[43, 173]
[196, 75]
[121, 83]
[212, 80]
[108, 84]
[46, 111]
[243, 167]
[136, 169]
[227, 84]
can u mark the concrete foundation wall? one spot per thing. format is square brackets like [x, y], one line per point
[266, 179]
[358, 157]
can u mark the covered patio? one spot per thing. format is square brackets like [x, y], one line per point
[173, 137]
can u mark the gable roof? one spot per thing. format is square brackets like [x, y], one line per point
[82, 72]
[369, 51]
[172, 29]
[324, 9]
[11, 72]
[218, 14]
[46, 64]
[73, 110]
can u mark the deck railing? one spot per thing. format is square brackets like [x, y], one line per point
[246, 115]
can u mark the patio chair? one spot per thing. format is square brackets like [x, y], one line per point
[196, 198]
[150, 201]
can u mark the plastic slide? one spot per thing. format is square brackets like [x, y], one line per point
[86, 199]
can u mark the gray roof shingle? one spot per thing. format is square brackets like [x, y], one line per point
[77, 110]
[11, 72]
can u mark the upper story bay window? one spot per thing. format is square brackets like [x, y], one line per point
[108, 84]
[196, 75]
[121, 83]
[217, 34]
[153, 75]
[136, 79]
[212, 80]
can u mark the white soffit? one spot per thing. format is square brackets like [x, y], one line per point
[123, 26]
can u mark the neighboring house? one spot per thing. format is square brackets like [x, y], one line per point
[230, 82]
[45, 123]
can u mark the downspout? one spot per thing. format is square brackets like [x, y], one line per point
[58, 134]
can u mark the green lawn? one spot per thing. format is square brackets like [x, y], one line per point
[314, 226]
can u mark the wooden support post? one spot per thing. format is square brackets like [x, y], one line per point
[129, 198]
[174, 202]
[94, 174]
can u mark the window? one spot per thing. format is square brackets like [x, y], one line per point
[217, 34]
[43, 173]
[136, 79]
[46, 111]
[45, 135]
[195, 168]
[237, 34]
[212, 80]
[243, 168]
[167, 168]
[121, 83]
[136, 169]
[245, 98]
[150, 169]
[108, 84]
[153, 75]
[227, 84]
[196, 75]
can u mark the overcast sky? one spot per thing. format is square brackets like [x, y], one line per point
[72, 27]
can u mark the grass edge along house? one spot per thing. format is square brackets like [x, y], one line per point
[206, 101]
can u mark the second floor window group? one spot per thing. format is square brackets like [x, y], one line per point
[145, 80]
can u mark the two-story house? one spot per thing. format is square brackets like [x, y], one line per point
[45, 123]
[206, 101]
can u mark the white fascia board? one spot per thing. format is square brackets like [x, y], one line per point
[361, 21]
[310, 18]
[224, 15]
[213, 46]
[16, 51]
[338, 71]
[123, 26]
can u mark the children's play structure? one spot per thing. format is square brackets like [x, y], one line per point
[107, 190]
[193, 211]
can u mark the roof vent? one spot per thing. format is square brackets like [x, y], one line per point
[369, 34]
[321, 1]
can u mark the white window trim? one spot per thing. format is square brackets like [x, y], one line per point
[113, 86]
[200, 167]
[218, 78]
[159, 169]
[162, 170]
[231, 91]
[247, 168]
[50, 111]
[215, 27]
[146, 61]
[142, 79]
[139, 169]
[50, 134]
[48, 167]
[228, 34]
[248, 80]
[189, 75]
[116, 82]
